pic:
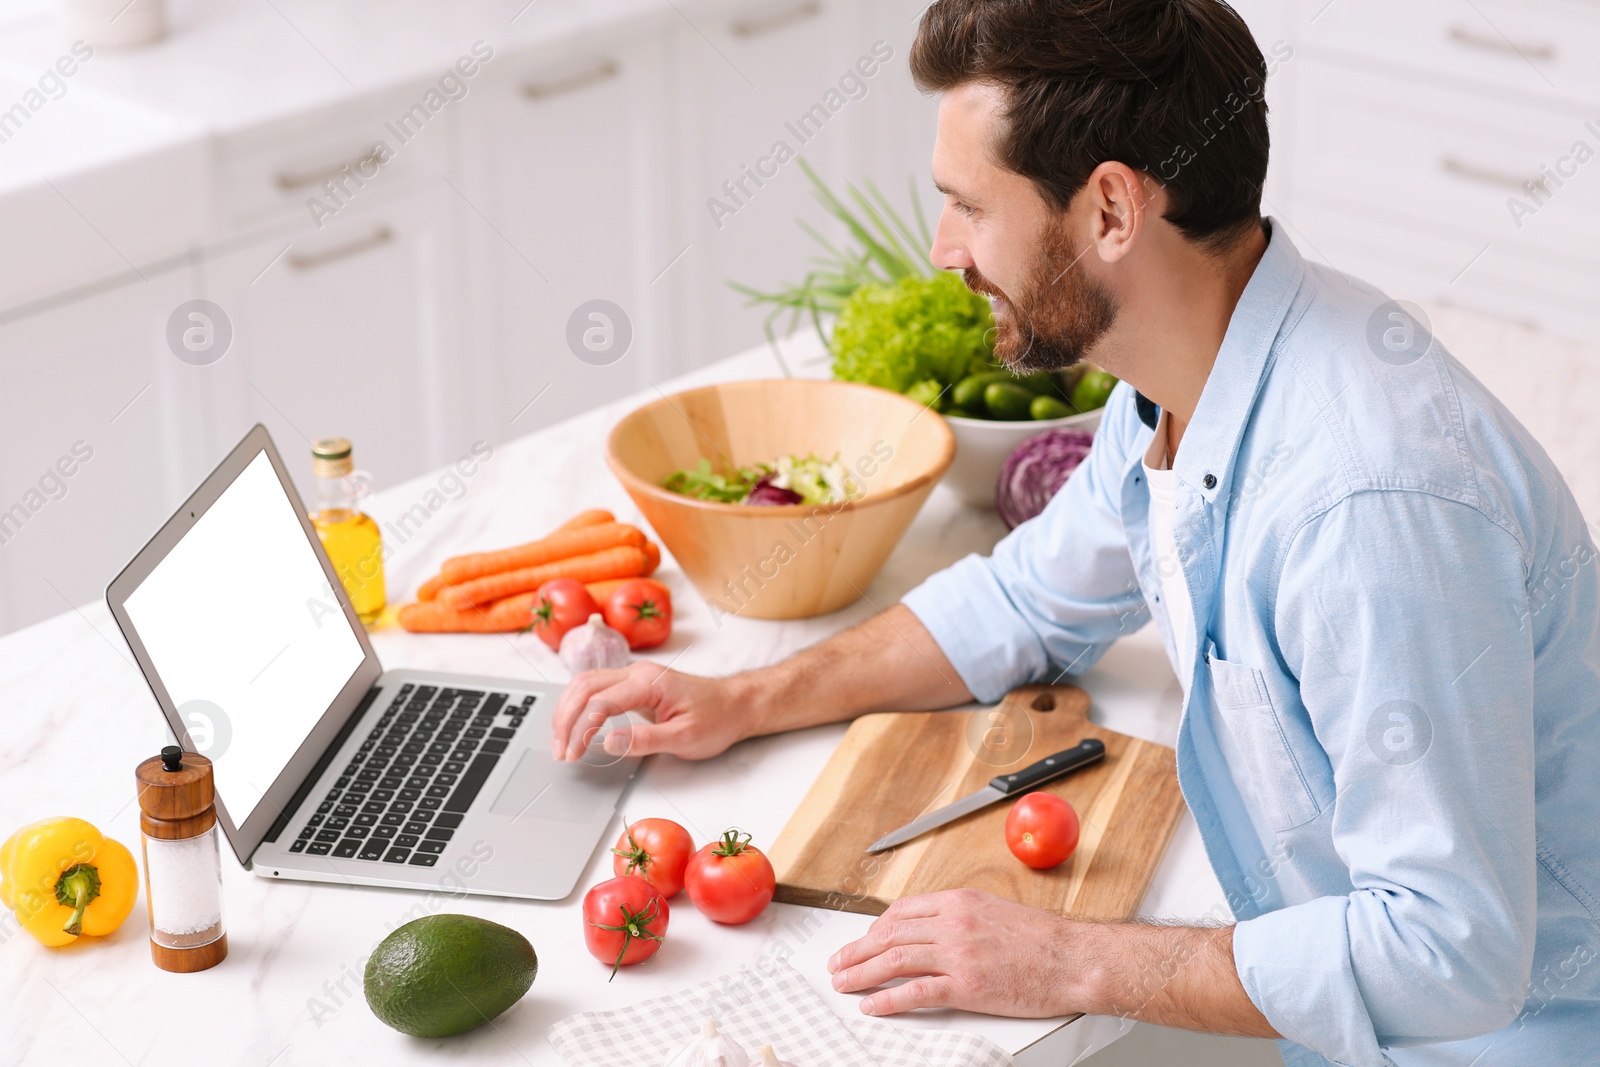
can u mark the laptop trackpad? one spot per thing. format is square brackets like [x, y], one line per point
[565, 792]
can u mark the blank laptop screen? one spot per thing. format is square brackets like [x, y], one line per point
[243, 631]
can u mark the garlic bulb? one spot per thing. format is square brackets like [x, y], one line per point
[765, 1057]
[710, 1049]
[594, 646]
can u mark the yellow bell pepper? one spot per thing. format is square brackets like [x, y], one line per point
[63, 879]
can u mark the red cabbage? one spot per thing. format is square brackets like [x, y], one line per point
[765, 493]
[1036, 470]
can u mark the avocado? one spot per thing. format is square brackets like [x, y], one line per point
[446, 974]
[1006, 400]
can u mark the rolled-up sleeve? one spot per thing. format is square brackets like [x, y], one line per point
[1057, 591]
[1426, 714]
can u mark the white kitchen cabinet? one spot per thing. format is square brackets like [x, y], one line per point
[99, 446]
[753, 77]
[1440, 225]
[1444, 151]
[894, 146]
[558, 196]
[1531, 48]
[345, 331]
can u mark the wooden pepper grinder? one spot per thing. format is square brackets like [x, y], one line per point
[182, 862]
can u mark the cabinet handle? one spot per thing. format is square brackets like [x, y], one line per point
[312, 260]
[1472, 39]
[757, 25]
[1487, 175]
[606, 68]
[290, 181]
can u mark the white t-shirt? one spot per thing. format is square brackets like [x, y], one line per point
[1180, 616]
[1159, 476]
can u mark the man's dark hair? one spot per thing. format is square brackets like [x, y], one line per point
[1174, 88]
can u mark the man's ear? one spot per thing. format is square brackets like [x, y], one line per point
[1118, 202]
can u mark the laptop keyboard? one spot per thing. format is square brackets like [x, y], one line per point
[404, 793]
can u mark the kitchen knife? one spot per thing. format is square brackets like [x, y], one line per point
[999, 788]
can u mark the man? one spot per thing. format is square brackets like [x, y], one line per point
[1376, 590]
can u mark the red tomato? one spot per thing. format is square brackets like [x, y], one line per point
[1042, 830]
[558, 606]
[641, 611]
[624, 921]
[729, 880]
[656, 850]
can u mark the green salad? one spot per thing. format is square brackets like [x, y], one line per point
[787, 480]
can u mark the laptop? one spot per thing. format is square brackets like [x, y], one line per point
[329, 768]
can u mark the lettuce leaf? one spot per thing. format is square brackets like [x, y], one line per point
[895, 336]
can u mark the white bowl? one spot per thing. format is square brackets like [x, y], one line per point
[982, 446]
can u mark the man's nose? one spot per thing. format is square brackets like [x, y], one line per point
[949, 251]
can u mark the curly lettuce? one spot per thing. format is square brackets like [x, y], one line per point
[915, 331]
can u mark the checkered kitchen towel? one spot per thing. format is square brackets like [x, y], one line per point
[771, 1004]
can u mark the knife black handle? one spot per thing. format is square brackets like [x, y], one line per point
[1050, 768]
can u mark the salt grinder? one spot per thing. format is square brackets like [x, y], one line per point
[182, 862]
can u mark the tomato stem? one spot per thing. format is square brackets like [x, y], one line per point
[638, 859]
[732, 844]
[635, 924]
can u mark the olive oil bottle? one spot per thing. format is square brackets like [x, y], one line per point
[350, 537]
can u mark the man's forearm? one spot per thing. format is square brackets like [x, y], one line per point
[888, 663]
[1179, 976]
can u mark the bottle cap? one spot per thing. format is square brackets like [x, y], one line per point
[330, 457]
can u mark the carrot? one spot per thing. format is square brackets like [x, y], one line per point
[652, 555]
[592, 517]
[601, 590]
[432, 617]
[511, 614]
[617, 561]
[562, 544]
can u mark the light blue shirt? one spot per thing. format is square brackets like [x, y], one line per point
[1398, 613]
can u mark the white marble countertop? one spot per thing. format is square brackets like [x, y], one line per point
[81, 717]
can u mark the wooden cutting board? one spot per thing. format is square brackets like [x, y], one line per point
[892, 767]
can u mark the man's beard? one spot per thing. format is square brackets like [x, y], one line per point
[1058, 313]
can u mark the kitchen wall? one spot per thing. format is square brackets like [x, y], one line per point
[393, 223]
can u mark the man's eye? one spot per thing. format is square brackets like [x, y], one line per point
[965, 209]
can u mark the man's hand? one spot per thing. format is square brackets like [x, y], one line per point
[961, 949]
[888, 663]
[690, 716]
[977, 952]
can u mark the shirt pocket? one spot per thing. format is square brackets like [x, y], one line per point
[1269, 769]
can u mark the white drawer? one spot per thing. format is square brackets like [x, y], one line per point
[1411, 261]
[1549, 47]
[1452, 159]
[272, 173]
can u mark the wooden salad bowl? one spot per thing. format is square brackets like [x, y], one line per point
[785, 562]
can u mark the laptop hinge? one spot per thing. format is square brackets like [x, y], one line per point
[322, 764]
